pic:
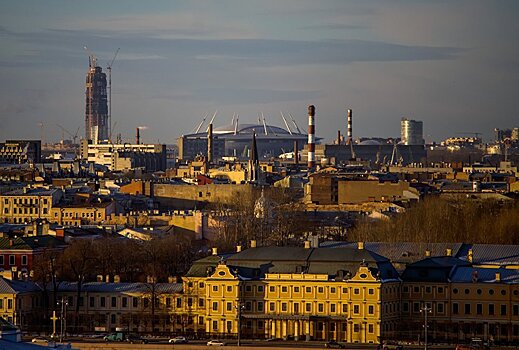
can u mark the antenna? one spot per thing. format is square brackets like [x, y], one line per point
[109, 69]
[92, 61]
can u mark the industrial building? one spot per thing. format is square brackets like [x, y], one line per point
[20, 152]
[96, 109]
[234, 140]
[123, 157]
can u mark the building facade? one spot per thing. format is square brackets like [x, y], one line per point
[20, 152]
[411, 132]
[96, 109]
[28, 204]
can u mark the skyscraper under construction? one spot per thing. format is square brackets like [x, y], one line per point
[96, 113]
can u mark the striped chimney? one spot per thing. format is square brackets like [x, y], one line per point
[311, 137]
[350, 126]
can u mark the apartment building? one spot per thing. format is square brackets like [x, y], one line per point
[28, 204]
[83, 213]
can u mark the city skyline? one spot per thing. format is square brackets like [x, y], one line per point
[451, 65]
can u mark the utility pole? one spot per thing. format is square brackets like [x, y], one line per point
[239, 307]
[63, 318]
[426, 310]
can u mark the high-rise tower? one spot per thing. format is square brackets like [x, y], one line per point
[96, 111]
[411, 132]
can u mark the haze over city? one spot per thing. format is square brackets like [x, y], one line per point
[452, 65]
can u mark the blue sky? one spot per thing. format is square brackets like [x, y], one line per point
[452, 64]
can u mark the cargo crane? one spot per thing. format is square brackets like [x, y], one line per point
[109, 69]
[73, 136]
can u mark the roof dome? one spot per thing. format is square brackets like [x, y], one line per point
[369, 143]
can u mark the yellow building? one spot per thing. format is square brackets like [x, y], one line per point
[81, 214]
[28, 204]
[20, 302]
[343, 294]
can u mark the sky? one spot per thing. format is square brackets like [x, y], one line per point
[452, 64]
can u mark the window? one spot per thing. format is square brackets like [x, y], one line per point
[229, 289]
[356, 328]
[455, 291]
[332, 290]
[405, 289]
[272, 289]
[114, 301]
[200, 302]
[308, 307]
[9, 303]
[455, 308]
[284, 289]
[428, 290]
[272, 307]
[179, 303]
[309, 289]
[1, 259]
[102, 301]
[371, 291]
[135, 302]
[260, 289]
[260, 306]
[371, 310]
[416, 289]
[11, 260]
[112, 319]
[356, 309]
[515, 309]
[229, 306]
[248, 306]
[439, 308]
[320, 307]
[1, 303]
[215, 325]
[215, 306]
[296, 289]
[320, 290]
[81, 301]
[405, 307]
[332, 308]
[503, 310]
[215, 288]
[370, 328]
[344, 308]
[284, 307]
[296, 308]
[201, 285]
[92, 302]
[467, 309]
[467, 291]
[479, 309]
[345, 290]
[6, 210]
[248, 288]
[356, 291]
[189, 302]
[416, 307]
[24, 260]
[125, 302]
[491, 309]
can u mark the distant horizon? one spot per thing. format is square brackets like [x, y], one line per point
[452, 65]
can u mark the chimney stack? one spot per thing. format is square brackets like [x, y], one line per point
[296, 153]
[138, 137]
[338, 137]
[210, 143]
[311, 137]
[350, 126]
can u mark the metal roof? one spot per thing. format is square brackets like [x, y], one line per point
[123, 287]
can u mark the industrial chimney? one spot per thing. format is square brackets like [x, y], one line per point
[210, 143]
[350, 126]
[138, 136]
[311, 137]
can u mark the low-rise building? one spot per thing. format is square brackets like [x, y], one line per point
[28, 204]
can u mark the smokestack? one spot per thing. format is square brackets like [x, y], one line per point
[210, 143]
[311, 137]
[138, 137]
[350, 126]
[296, 153]
[338, 137]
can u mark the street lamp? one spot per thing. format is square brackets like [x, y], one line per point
[426, 310]
[239, 307]
[63, 319]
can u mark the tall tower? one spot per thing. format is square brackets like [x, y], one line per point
[96, 110]
[311, 137]
[411, 132]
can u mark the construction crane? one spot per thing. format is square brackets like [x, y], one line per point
[109, 69]
[63, 131]
[111, 131]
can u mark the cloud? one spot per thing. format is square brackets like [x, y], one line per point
[245, 96]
